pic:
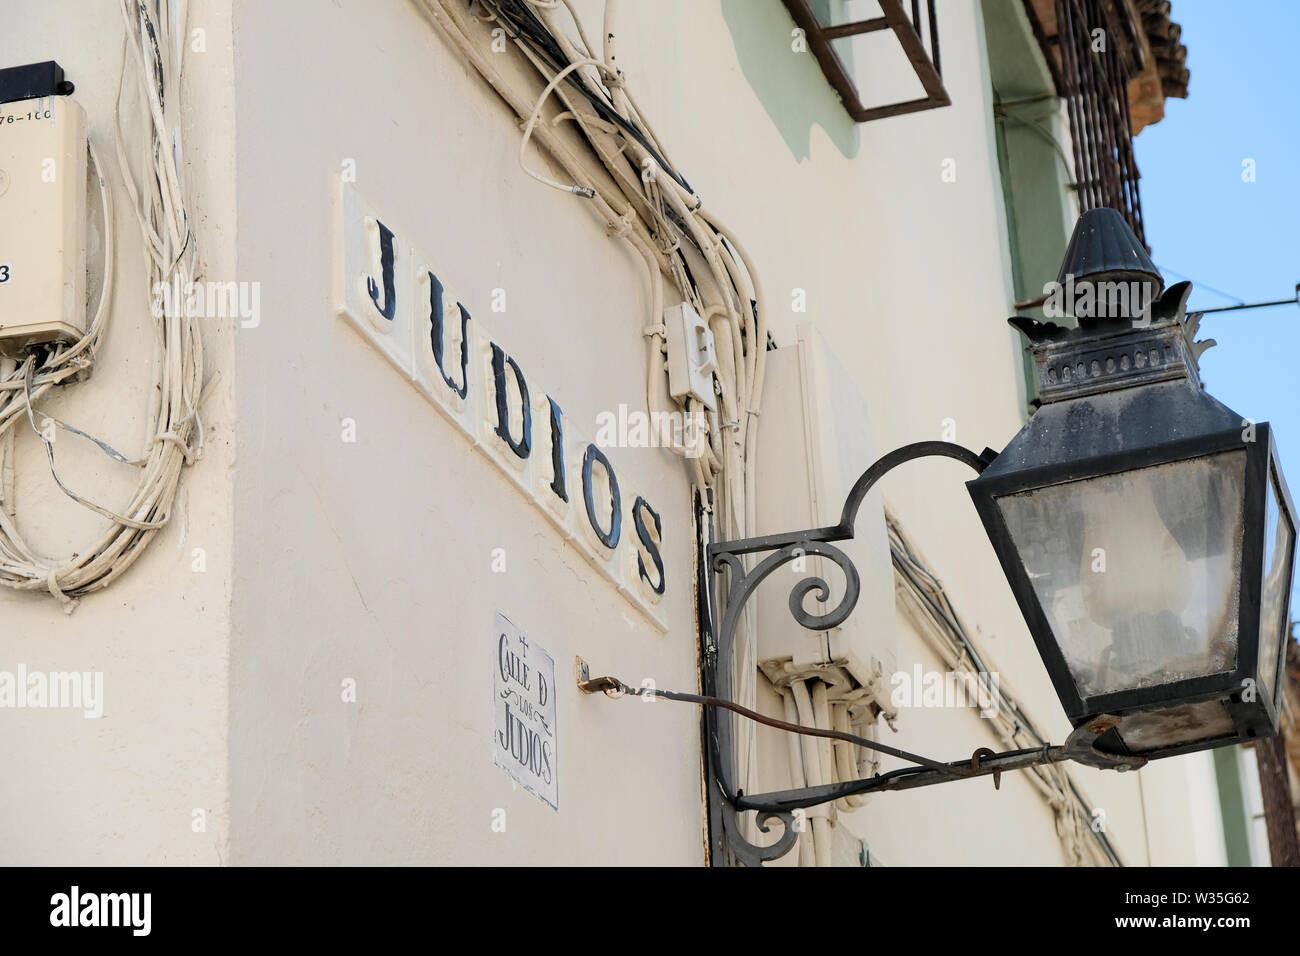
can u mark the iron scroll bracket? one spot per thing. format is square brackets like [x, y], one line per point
[733, 580]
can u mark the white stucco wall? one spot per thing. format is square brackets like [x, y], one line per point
[123, 789]
[371, 561]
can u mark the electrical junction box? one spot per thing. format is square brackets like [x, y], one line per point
[42, 222]
[814, 442]
[692, 359]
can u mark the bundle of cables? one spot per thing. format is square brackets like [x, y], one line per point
[619, 167]
[175, 433]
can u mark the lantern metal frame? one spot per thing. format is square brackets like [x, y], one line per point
[1106, 387]
[1261, 467]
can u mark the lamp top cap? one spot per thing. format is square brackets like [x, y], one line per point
[1104, 245]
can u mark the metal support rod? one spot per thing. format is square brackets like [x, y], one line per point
[726, 605]
[1294, 300]
[1079, 747]
[844, 529]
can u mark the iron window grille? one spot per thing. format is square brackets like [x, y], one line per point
[912, 36]
[1091, 71]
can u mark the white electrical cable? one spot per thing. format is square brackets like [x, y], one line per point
[929, 603]
[816, 769]
[638, 193]
[175, 435]
[794, 756]
[585, 191]
[846, 765]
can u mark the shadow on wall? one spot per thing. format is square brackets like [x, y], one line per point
[789, 84]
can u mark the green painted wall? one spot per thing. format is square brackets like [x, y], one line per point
[1232, 802]
[1032, 153]
[792, 89]
[1029, 126]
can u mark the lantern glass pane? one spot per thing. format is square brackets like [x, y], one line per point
[1279, 544]
[1138, 573]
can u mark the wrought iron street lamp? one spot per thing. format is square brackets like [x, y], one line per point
[1145, 529]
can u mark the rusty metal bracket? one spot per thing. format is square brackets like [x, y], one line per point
[1081, 747]
[609, 686]
[975, 765]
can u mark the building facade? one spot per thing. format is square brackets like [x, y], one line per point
[465, 432]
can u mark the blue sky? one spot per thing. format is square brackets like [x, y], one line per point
[1205, 223]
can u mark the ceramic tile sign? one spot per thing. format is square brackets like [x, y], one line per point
[525, 734]
[389, 292]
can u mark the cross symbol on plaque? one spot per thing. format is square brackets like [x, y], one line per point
[523, 642]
